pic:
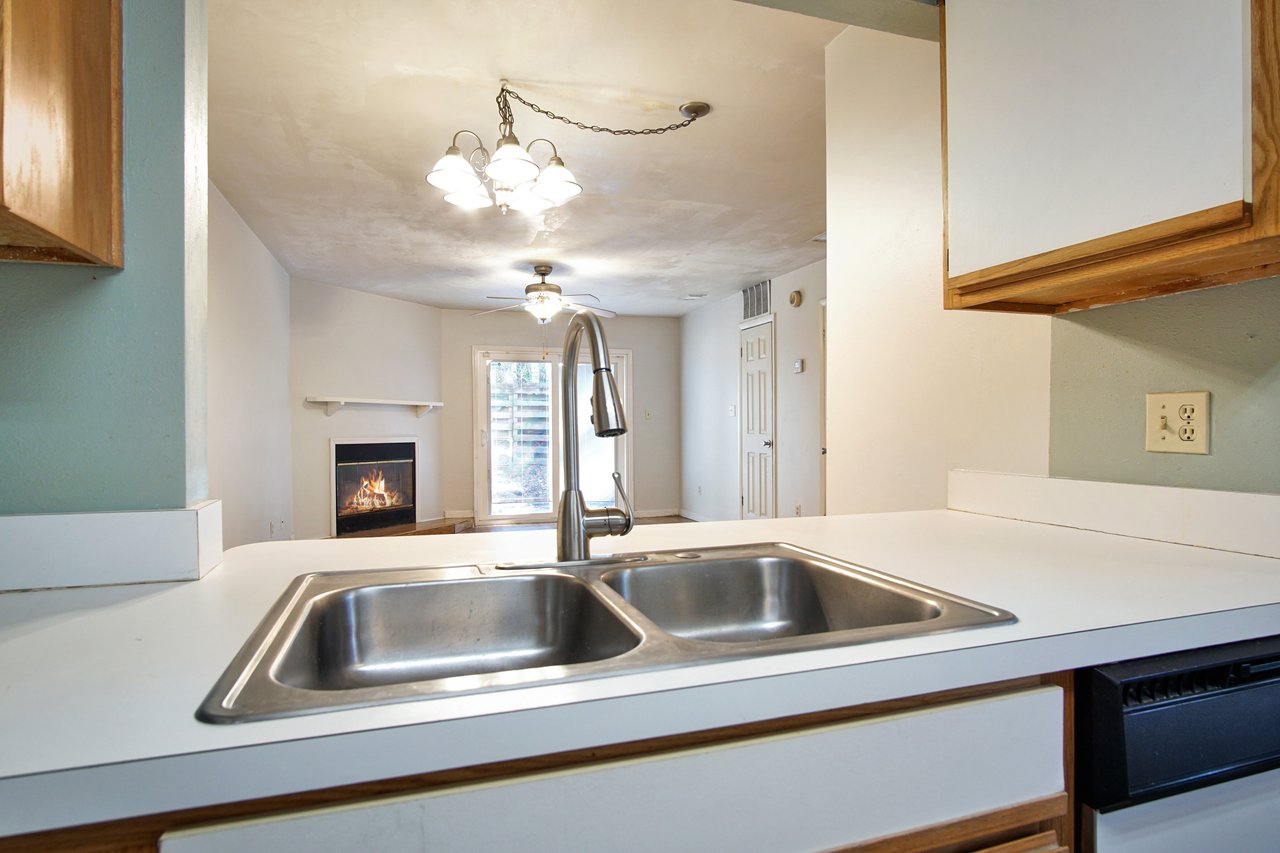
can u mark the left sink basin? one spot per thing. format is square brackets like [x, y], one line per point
[383, 637]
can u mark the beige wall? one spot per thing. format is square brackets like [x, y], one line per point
[248, 382]
[912, 390]
[709, 387]
[654, 418]
[346, 342]
[798, 440]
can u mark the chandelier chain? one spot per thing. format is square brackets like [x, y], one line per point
[504, 113]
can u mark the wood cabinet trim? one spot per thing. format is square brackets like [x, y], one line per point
[1186, 266]
[1208, 250]
[1041, 842]
[970, 833]
[143, 833]
[1214, 220]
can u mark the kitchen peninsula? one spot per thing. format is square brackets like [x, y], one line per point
[101, 684]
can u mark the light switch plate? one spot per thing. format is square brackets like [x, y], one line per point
[1178, 422]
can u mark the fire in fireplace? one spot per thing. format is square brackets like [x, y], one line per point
[373, 485]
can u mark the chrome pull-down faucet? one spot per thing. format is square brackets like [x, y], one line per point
[575, 524]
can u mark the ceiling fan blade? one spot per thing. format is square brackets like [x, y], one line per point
[496, 310]
[594, 309]
[507, 298]
[590, 296]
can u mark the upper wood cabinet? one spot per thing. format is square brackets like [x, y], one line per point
[1098, 152]
[60, 154]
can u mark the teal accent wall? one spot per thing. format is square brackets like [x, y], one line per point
[94, 364]
[1225, 340]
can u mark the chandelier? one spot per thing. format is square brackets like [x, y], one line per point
[510, 178]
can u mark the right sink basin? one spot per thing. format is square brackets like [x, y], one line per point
[748, 598]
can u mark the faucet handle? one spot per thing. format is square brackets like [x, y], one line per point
[629, 514]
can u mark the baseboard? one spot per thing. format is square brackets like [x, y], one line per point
[656, 513]
[459, 513]
[103, 548]
[693, 516]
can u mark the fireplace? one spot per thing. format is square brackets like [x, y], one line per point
[373, 484]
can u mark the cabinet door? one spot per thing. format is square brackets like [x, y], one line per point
[814, 789]
[60, 112]
[1085, 131]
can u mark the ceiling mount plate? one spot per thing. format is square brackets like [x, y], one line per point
[694, 109]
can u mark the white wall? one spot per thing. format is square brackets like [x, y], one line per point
[797, 437]
[346, 342]
[708, 389]
[912, 390]
[709, 382]
[248, 381]
[655, 342]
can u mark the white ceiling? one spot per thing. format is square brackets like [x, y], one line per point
[325, 115]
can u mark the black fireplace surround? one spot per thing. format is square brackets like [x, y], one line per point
[374, 484]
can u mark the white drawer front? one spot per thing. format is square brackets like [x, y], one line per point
[804, 791]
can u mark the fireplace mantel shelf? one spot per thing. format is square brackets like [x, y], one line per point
[333, 404]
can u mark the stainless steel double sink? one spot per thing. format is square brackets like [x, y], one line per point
[352, 639]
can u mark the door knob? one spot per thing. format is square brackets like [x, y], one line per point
[768, 442]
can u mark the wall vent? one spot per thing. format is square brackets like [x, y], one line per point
[755, 300]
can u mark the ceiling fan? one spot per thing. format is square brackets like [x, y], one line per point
[543, 299]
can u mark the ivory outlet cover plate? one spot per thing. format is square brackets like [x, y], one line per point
[1178, 422]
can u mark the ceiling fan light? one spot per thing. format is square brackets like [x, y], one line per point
[511, 164]
[543, 307]
[471, 199]
[452, 173]
[556, 183]
[526, 200]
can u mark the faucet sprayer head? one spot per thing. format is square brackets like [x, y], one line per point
[606, 406]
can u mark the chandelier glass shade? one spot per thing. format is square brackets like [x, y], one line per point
[475, 198]
[511, 164]
[556, 184]
[452, 173]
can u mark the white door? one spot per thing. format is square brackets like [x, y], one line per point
[755, 398]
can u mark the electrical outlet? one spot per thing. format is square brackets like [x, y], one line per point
[1178, 422]
[797, 510]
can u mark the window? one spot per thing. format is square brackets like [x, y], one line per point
[517, 442]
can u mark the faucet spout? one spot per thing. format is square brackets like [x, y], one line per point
[575, 524]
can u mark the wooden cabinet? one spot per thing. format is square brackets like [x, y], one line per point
[60, 152]
[1100, 152]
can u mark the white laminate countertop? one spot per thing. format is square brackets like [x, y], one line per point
[98, 687]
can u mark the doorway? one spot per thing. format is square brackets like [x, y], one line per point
[518, 470]
[757, 463]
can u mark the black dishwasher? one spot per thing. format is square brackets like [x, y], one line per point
[1157, 727]
[1154, 727]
